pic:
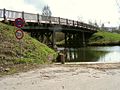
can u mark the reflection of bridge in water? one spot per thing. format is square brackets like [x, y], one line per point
[43, 28]
[82, 55]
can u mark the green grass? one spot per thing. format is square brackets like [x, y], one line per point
[104, 38]
[32, 50]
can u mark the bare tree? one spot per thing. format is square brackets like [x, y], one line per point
[90, 22]
[102, 27]
[118, 3]
[46, 13]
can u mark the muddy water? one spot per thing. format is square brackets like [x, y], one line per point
[93, 54]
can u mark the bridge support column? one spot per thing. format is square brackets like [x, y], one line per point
[48, 40]
[74, 39]
[68, 39]
[44, 37]
[83, 37]
[65, 40]
[53, 39]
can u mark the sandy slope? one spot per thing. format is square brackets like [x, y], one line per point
[63, 78]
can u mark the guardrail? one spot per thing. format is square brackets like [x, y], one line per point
[30, 17]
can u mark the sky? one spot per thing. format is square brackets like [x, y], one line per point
[100, 11]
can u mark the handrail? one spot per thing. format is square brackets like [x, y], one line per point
[31, 17]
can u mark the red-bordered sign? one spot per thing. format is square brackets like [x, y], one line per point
[19, 34]
[19, 22]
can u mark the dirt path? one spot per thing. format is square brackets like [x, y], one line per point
[64, 78]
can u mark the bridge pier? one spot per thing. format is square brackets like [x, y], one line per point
[83, 37]
[72, 38]
[53, 39]
[46, 37]
[75, 39]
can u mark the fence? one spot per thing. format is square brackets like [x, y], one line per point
[30, 17]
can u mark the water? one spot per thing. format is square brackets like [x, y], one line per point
[93, 54]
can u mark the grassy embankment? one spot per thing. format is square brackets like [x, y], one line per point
[99, 39]
[104, 38]
[33, 52]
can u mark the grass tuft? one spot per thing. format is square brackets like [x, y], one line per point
[105, 38]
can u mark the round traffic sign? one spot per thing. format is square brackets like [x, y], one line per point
[19, 22]
[19, 34]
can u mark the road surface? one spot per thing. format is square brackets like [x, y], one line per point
[64, 78]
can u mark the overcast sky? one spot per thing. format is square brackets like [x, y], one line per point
[102, 11]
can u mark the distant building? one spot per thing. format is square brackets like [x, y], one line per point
[110, 29]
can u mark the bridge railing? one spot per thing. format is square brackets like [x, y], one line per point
[75, 23]
[11, 15]
[1, 13]
[70, 22]
[63, 21]
[29, 17]
[55, 20]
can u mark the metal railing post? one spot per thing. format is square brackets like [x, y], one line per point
[73, 22]
[23, 15]
[59, 20]
[38, 18]
[66, 21]
[77, 23]
[4, 14]
[49, 18]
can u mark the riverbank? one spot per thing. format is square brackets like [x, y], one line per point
[66, 77]
[31, 52]
[102, 38]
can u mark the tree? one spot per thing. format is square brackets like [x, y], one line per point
[118, 3]
[103, 27]
[46, 13]
[96, 24]
[90, 22]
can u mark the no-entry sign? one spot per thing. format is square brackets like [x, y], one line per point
[19, 22]
[19, 34]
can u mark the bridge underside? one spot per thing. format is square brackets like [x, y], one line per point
[46, 33]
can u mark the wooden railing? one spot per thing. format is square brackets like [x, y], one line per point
[30, 17]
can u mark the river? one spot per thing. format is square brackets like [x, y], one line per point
[93, 54]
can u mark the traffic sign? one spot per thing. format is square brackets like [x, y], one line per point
[19, 22]
[19, 34]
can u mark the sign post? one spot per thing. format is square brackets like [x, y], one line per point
[19, 34]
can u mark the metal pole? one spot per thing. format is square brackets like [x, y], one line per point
[20, 42]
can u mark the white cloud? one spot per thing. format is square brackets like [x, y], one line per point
[95, 10]
[18, 5]
[99, 10]
[38, 4]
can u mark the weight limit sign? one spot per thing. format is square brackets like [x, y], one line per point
[19, 34]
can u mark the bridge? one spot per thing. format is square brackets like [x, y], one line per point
[44, 28]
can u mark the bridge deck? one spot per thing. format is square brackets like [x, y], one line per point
[36, 18]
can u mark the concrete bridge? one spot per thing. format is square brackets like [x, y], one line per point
[44, 28]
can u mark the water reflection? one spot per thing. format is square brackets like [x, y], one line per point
[93, 54]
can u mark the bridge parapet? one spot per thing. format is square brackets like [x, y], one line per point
[30, 17]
